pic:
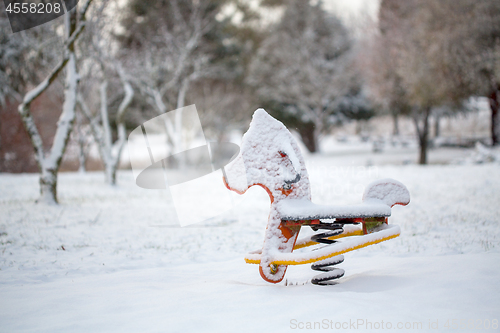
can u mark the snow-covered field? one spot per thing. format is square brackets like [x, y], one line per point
[110, 259]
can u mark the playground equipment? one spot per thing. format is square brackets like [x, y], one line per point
[269, 157]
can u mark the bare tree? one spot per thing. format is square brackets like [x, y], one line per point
[386, 85]
[101, 128]
[49, 163]
[443, 52]
[412, 33]
[104, 77]
[467, 48]
[179, 52]
[412, 83]
[303, 67]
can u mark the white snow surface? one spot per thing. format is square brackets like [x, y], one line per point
[302, 209]
[107, 259]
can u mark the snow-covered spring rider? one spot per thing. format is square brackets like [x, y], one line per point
[269, 157]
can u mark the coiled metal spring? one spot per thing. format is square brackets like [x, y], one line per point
[331, 273]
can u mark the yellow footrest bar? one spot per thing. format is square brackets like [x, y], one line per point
[386, 232]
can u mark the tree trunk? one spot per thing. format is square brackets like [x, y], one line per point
[423, 151]
[107, 157]
[113, 176]
[48, 186]
[82, 156]
[437, 131]
[110, 173]
[51, 164]
[82, 153]
[308, 134]
[423, 133]
[395, 120]
[359, 127]
[120, 121]
[494, 99]
[181, 96]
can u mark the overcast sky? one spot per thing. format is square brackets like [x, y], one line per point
[350, 9]
[358, 15]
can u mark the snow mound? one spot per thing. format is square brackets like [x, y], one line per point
[483, 154]
[389, 191]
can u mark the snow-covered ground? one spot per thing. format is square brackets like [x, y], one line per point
[110, 259]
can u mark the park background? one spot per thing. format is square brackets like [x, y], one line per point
[406, 90]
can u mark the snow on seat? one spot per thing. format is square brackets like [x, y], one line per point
[378, 199]
[302, 209]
